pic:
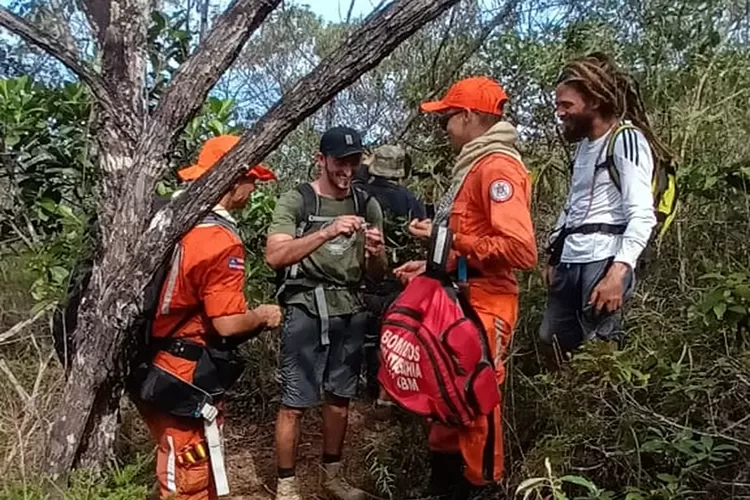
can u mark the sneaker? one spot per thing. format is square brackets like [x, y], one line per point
[287, 489]
[336, 486]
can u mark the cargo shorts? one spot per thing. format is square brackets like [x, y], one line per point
[569, 319]
[308, 368]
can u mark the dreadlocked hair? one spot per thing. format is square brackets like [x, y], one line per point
[597, 76]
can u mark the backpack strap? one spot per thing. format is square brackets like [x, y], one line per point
[310, 208]
[361, 198]
[170, 279]
[218, 220]
[307, 214]
[609, 159]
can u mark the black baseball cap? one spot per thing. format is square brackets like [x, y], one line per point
[340, 142]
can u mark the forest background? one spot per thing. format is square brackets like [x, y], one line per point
[666, 417]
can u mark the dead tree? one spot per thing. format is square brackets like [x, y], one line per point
[133, 147]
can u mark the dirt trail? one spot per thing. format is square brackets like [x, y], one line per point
[251, 460]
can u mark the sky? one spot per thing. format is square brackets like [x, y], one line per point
[330, 10]
[335, 10]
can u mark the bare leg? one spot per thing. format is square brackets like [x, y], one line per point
[287, 437]
[335, 416]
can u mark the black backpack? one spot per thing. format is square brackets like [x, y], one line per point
[140, 347]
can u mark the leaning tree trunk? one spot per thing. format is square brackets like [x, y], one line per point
[131, 248]
[132, 156]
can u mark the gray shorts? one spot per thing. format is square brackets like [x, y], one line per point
[308, 368]
[569, 319]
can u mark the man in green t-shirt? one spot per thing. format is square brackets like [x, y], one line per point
[325, 237]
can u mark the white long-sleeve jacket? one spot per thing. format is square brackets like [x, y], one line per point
[596, 199]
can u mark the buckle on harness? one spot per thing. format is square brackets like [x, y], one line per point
[209, 412]
[182, 349]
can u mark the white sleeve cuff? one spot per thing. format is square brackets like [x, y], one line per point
[629, 252]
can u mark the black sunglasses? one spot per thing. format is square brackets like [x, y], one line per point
[444, 118]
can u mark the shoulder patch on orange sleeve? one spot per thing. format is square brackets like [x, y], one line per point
[501, 190]
[237, 263]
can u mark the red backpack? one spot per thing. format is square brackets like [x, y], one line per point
[435, 356]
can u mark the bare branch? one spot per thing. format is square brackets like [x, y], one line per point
[349, 12]
[204, 20]
[14, 381]
[443, 41]
[503, 15]
[83, 70]
[190, 85]
[97, 12]
[628, 399]
[22, 325]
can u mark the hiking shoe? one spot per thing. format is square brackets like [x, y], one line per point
[287, 489]
[336, 486]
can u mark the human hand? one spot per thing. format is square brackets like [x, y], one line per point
[607, 295]
[270, 315]
[374, 243]
[421, 228]
[344, 224]
[410, 270]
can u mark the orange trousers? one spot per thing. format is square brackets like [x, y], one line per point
[178, 479]
[481, 443]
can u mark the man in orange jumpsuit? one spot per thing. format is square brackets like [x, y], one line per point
[487, 211]
[202, 301]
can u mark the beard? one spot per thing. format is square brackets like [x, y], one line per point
[337, 179]
[577, 127]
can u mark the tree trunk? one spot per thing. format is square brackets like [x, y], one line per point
[133, 150]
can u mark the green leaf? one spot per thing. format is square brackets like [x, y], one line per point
[580, 481]
[11, 140]
[214, 105]
[39, 307]
[37, 289]
[529, 485]
[742, 291]
[738, 309]
[711, 276]
[652, 446]
[59, 274]
[719, 310]
[216, 126]
[48, 205]
[66, 211]
[713, 298]
[726, 447]
[667, 478]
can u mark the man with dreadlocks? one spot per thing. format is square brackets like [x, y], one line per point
[609, 214]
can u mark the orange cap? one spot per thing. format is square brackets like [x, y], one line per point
[478, 93]
[212, 151]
